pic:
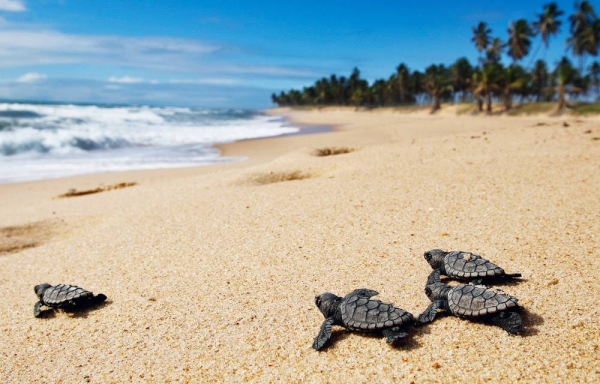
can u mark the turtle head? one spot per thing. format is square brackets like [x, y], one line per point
[435, 289]
[435, 257]
[40, 289]
[327, 303]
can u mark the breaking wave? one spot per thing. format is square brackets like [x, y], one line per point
[94, 138]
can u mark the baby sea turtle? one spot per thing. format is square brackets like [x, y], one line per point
[466, 266]
[63, 296]
[358, 312]
[471, 301]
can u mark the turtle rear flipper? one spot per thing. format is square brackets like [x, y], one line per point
[495, 279]
[510, 276]
[324, 334]
[99, 298]
[362, 292]
[509, 321]
[394, 335]
[81, 304]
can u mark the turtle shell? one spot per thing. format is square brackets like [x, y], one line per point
[61, 294]
[359, 313]
[468, 265]
[473, 300]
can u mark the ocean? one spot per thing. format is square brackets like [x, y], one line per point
[43, 141]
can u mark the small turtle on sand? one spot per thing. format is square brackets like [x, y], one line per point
[466, 266]
[358, 312]
[63, 296]
[473, 302]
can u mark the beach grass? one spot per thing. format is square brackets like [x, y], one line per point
[586, 109]
[532, 109]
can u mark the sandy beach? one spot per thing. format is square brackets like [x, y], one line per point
[211, 272]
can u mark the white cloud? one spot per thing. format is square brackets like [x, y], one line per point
[12, 5]
[36, 46]
[31, 77]
[125, 80]
[209, 81]
[267, 70]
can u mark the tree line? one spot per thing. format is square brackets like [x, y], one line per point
[489, 79]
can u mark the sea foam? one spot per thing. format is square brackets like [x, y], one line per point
[40, 141]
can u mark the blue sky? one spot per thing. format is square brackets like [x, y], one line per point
[231, 53]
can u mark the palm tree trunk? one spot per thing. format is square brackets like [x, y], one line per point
[488, 99]
[479, 103]
[436, 104]
[535, 54]
[507, 101]
[562, 101]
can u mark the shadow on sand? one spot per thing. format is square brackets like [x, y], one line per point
[81, 312]
[339, 335]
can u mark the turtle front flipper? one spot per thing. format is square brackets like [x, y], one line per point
[430, 313]
[509, 321]
[37, 312]
[394, 335]
[324, 334]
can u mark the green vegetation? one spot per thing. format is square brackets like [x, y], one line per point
[533, 108]
[583, 109]
[488, 83]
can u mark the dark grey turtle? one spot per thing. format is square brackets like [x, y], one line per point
[63, 296]
[466, 266]
[358, 312]
[471, 301]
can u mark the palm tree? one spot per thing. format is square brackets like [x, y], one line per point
[565, 75]
[539, 79]
[481, 36]
[323, 91]
[585, 31]
[547, 24]
[461, 73]
[379, 93]
[493, 52]
[515, 80]
[356, 88]
[583, 16]
[358, 97]
[335, 89]
[594, 74]
[417, 87]
[309, 95]
[519, 39]
[488, 82]
[392, 92]
[437, 84]
[403, 81]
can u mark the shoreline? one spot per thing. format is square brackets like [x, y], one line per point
[303, 129]
[211, 272]
[309, 123]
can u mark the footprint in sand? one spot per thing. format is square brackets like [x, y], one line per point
[17, 238]
[278, 177]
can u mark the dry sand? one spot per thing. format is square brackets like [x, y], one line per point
[211, 272]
